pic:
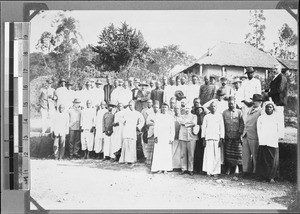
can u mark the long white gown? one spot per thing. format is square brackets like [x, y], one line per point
[164, 130]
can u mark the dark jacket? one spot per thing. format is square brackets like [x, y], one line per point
[278, 90]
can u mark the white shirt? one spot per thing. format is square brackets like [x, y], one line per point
[268, 130]
[221, 105]
[115, 95]
[61, 123]
[251, 87]
[132, 119]
[62, 95]
[88, 118]
[213, 127]
[125, 95]
[151, 121]
[98, 96]
[239, 96]
[164, 128]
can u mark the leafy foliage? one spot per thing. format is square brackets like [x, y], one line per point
[256, 36]
[165, 58]
[120, 48]
[288, 39]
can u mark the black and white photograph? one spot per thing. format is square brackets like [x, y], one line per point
[159, 109]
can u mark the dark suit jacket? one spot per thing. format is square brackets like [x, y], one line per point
[134, 93]
[278, 90]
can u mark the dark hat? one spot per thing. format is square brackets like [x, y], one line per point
[223, 78]
[112, 105]
[179, 95]
[164, 104]
[221, 92]
[250, 70]
[257, 97]
[88, 83]
[76, 100]
[212, 77]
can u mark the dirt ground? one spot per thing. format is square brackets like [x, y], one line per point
[93, 184]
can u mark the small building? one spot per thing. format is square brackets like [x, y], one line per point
[291, 65]
[231, 60]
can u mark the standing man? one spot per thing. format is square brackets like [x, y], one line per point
[117, 92]
[172, 106]
[125, 94]
[164, 82]
[108, 120]
[207, 91]
[87, 126]
[60, 130]
[51, 104]
[150, 122]
[187, 141]
[133, 122]
[61, 94]
[193, 90]
[98, 94]
[157, 94]
[212, 138]
[176, 147]
[234, 127]
[152, 85]
[278, 94]
[250, 86]
[237, 92]
[74, 122]
[228, 89]
[44, 106]
[183, 87]
[142, 97]
[99, 137]
[135, 89]
[249, 137]
[71, 94]
[164, 132]
[107, 90]
[117, 135]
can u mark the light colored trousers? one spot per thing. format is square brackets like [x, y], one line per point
[249, 154]
[187, 155]
[99, 144]
[106, 145]
[59, 146]
[45, 114]
[280, 114]
[87, 140]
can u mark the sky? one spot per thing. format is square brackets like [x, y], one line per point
[195, 31]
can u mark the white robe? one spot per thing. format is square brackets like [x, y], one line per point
[99, 130]
[117, 136]
[164, 130]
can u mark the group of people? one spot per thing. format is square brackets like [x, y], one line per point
[172, 125]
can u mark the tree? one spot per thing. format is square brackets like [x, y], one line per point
[64, 44]
[165, 58]
[120, 48]
[288, 39]
[256, 36]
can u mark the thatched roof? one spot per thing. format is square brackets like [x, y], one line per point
[234, 54]
[289, 64]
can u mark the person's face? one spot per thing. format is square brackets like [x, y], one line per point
[221, 97]
[187, 109]
[206, 80]
[149, 103]
[109, 108]
[136, 84]
[68, 86]
[116, 83]
[164, 109]
[237, 85]
[97, 85]
[198, 111]
[194, 80]
[223, 82]
[102, 105]
[256, 103]
[88, 104]
[131, 107]
[172, 81]
[61, 108]
[63, 84]
[250, 75]
[182, 81]
[178, 81]
[157, 84]
[213, 108]
[196, 103]
[143, 88]
[231, 104]
[125, 85]
[120, 83]
[88, 86]
[165, 80]
[151, 84]
[177, 110]
[76, 105]
[172, 104]
[46, 85]
[243, 78]
[155, 108]
[212, 80]
[130, 82]
[269, 109]
[108, 80]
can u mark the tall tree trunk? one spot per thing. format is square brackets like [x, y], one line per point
[69, 65]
